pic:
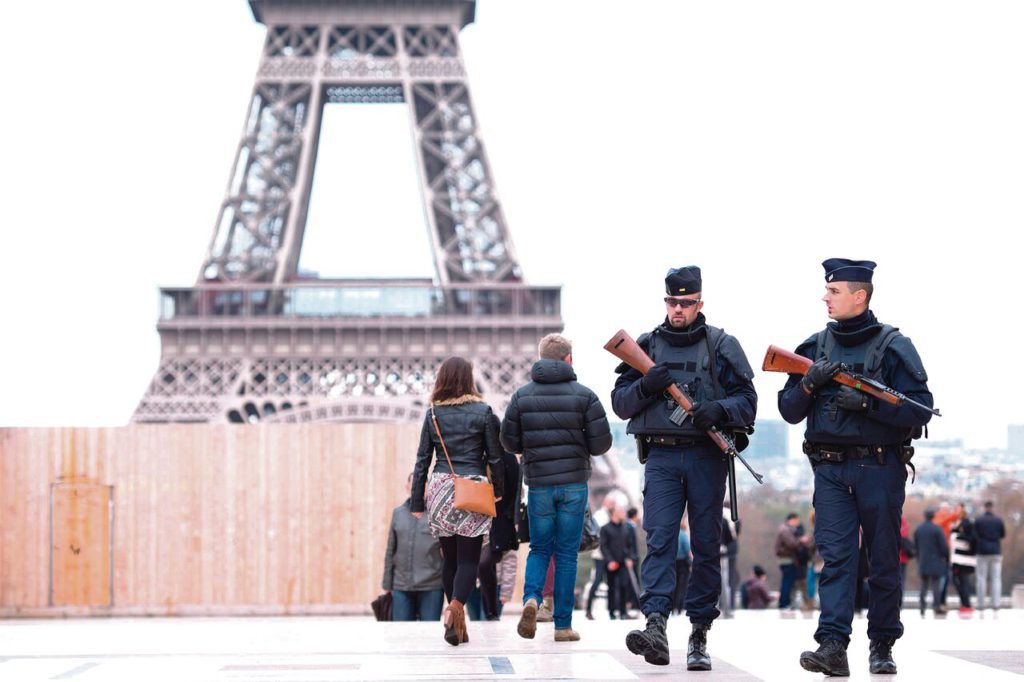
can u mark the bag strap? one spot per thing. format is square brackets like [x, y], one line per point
[433, 418]
[712, 338]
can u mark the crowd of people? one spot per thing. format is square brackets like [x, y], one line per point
[695, 400]
[951, 547]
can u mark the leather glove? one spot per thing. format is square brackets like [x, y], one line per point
[656, 380]
[852, 399]
[819, 374]
[708, 414]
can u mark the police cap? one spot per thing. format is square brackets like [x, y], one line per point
[846, 270]
[684, 280]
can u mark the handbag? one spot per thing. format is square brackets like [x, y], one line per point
[523, 522]
[382, 606]
[591, 538]
[470, 495]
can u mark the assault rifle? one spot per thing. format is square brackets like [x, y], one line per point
[626, 349]
[779, 360]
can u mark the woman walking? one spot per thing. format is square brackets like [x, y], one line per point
[461, 423]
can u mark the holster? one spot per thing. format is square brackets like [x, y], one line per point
[643, 448]
[906, 453]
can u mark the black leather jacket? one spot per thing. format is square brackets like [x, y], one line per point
[471, 435]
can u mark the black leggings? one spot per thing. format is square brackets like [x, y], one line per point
[488, 575]
[461, 559]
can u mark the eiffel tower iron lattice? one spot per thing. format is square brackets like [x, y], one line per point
[250, 341]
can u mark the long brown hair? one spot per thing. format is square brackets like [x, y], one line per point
[454, 379]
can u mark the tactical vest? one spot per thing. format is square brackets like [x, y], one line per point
[827, 422]
[692, 367]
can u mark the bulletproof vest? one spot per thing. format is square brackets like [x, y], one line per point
[827, 422]
[692, 368]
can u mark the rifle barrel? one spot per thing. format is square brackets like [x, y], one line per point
[923, 407]
[734, 511]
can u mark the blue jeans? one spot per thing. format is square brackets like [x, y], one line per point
[556, 527]
[788, 581]
[419, 605]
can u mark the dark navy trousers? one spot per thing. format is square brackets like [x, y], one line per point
[859, 501]
[677, 478]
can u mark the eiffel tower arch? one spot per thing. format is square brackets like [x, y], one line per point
[252, 342]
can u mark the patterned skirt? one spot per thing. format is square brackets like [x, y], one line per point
[445, 519]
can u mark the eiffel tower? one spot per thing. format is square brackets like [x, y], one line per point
[253, 342]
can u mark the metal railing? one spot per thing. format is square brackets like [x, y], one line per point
[360, 300]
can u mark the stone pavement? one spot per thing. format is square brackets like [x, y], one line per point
[755, 645]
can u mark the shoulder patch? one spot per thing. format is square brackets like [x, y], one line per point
[730, 349]
[904, 349]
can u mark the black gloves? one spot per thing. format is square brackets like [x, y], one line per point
[819, 374]
[708, 414]
[852, 399]
[656, 380]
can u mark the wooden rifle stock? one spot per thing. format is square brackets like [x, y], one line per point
[781, 360]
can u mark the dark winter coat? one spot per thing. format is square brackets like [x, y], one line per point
[615, 542]
[989, 530]
[503, 528]
[471, 436]
[557, 424]
[932, 550]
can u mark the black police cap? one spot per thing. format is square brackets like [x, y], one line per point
[684, 280]
[846, 270]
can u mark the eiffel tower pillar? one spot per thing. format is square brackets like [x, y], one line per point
[249, 342]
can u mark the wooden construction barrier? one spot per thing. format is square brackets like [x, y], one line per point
[198, 519]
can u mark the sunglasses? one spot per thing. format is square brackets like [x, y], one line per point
[681, 302]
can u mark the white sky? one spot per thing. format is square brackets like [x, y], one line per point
[754, 139]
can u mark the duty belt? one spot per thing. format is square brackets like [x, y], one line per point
[672, 440]
[826, 452]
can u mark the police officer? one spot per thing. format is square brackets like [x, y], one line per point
[858, 447]
[683, 469]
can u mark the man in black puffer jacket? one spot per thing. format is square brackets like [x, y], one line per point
[557, 424]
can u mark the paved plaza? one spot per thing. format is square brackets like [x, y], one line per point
[755, 645]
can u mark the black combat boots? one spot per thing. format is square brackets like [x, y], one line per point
[697, 652]
[830, 658]
[652, 642]
[880, 661]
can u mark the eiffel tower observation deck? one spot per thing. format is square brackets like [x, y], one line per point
[252, 341]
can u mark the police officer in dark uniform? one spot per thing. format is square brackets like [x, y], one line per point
[858, 447]
[683, 469]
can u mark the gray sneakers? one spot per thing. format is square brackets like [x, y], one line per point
[566, 635]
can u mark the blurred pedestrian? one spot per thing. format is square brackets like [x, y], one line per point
[963, 558]
[683, 563]
[990, 531]
[503, 536]
[615, 548]
[412, 565]
[932, 560]
[755, 589]
[601, 517]
[787, 550]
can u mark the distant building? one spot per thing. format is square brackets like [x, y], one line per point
[1015, 440]
[770, 440]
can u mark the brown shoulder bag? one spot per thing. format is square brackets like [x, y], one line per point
[470, 495]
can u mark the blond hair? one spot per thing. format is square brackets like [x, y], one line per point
[554, 347]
